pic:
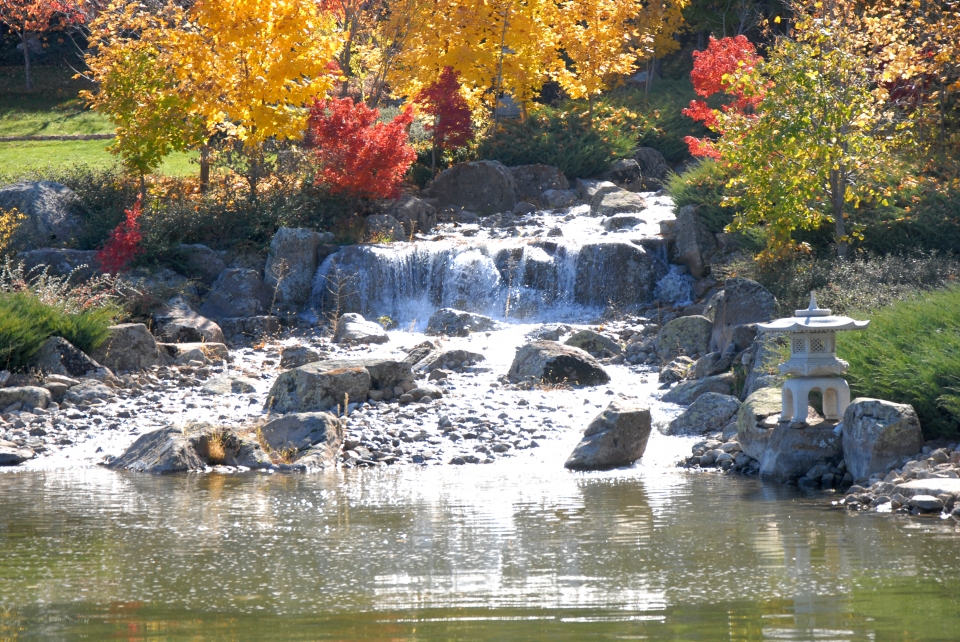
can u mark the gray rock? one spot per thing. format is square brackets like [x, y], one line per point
[621, 222]
[588, 188]
[927, 503]
[161, 283]
[237, 292]
[383, 228]
[626, 173]
[484, 187]
[756, 419]
[240, 329]
[51, 211]
[687, 392]
[317, 387]
[177, 322]
[708, 414]
[676, 370]
[741, 301]
[534, 180]
[594, 343]
[228, 384]
[207, 352]
[414, 215]
[457, 323]
[523, 208]
[551, 362]
[616, 437]
[616, 272]
[877, 433]
[653, 168]
[82, 264]
[296, 356]
[555, 199]
[353, 328]
[173, 450]
[26, 395]
[12, 455]
[695, 245]
[59, 356]
[791, 452]
[609, 203]
[320, 433]
[200, 262]
[291, 264]
[688, 336]
[89, 390]
[130, 346]
[934, 486]
[448, 359]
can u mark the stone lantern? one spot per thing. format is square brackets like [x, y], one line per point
[813, 361]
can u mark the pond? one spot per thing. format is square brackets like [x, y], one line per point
[516, 549]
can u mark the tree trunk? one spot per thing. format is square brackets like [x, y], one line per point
[838, 187]
[204, 167]
[26, 59]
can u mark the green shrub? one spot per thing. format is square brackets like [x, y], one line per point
[703, 185]
[931, 223]
[910, 354]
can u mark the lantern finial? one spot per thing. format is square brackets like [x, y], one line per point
[813, 310]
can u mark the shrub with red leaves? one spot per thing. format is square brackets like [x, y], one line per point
[712, 71]
[357, 155]
[451, 116]
[124, 242]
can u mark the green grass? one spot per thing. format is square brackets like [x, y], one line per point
[52, 108]
[910, 354]
[20, 158]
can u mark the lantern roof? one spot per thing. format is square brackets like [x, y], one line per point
[813, 319]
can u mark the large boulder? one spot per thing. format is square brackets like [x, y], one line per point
[695, 245]
[296, 356]
[32, 396]
[687, 392]
[323, 385]
[618, 272]
[708, 414]
[83, 264]
[551, 362]
[621, 222]
[877, 433]
[453, 359]
[383, 228]
[626, 173]
[616, 437]
[554, 199]
[791, 452]
[228, 385]
[618, 201]
[484, 187]
[457, 323]
[688, 336]
[51, 211]
[756, 420]
[58, 356]
[653, 167]
[176, 322]
[191, 448]
[291, 264]
[740, 302]
[312, 438]
[587, 188]
[200, 262]
[594, 343]
[11, 454]
[130, 346]
[353, 328]
[237, 292]
[534, 180]
[414, 215]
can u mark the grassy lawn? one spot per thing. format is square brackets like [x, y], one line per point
[19, 158]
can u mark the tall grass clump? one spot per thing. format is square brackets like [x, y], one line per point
[910, 354]
[703, 185]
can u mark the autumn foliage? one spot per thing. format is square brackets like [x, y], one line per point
[28, 18]
[444, 103]
[714, 70]
[124, 243]
[357, 155]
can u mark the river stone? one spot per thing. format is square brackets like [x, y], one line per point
[621, 222]
[593, 342]
[688, 336]
[457, 323]
[587, 188]
[484, 187]
[676, 370]
[353, 328]
[27, 395]
[414, 215]
[741, 301]
[791, 452]
[927, 503]
[448, 359]
[177, 322]
[296, 356]
[933, 486]
[200, 262]
[708, 414]
[228, 384]
[51, 211]
[166, 450]
[626, 173]
[238, 329]
[237, 292]
[687, 392]
[318, 387]
[83, 264]
[58, 356]
[292, 264]
[653, 167]
[12, 455]
[182, 352]
[555, 199]
[609, 203]
[299, 432]
[130, 346]
[534, 180]
[383, 228]
[616, 272]
[551, 362]
[89, 390]
[616, 437]
[877, 433]
[238, 450]
[753, 431]
[695, 246]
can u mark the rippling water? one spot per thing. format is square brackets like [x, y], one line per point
[520, 548]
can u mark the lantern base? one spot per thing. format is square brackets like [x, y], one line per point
[796, 397]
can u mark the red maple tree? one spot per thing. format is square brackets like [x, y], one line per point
[451, 116]
[124, 242]
[358, 155]
[29, 18]
[712, 71]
